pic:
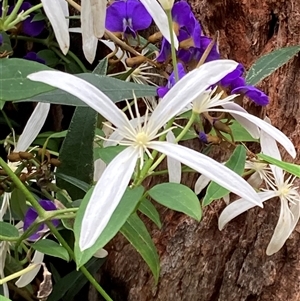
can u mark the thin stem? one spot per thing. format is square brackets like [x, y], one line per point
[14, 13]
[173, 50]
[178, 138]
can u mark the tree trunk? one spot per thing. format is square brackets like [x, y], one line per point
[198, 262]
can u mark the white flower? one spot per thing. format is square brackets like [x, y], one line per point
[166, 4]
[160, 18]
[57, 11]
[113, 182]
[277, 186]
[206, 103]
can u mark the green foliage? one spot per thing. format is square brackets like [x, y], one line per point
[115, 89]
[8, 230]
[76, 154]
[137, 234]
[107, 154]
[269, 63]
[148, 209]
[125, 208]
[14, 84]
[291, 168]
[236, 163]
[52, 248]
[177, 197]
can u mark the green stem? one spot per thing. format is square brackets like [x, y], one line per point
[165, 171]
[4, 9]
[13, 14]
[178, 138]
[173, 50]
[83, 269]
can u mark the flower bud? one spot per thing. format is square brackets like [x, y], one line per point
[137, 60]
[166, 4]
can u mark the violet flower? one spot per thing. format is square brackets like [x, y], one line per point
[236, 82]
[29, 28]
[187, 28]
[1, 39]
[31, 215]
[162, 91]
[33, 56]
[127, 16]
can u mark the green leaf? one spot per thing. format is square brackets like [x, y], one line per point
[148, 209]
[74, 181]
[177, 197]
[13, 82]
[101, 68]
[115, 89]
[107, 154]
[190, 134]
[76, 154]
[49, 57]
[126, 206]
[291, 168]
[18, 203]
[269, 63]
[2, 298]
[137, 234]
[236, 163]
[51, 248]
[8, 230]
[70, 285]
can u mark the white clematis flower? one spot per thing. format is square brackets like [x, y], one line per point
[278, 187]
[114, 180]
[57, 11]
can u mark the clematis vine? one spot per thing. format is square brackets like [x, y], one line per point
[279, 186]
[127, 17]
[140, 139]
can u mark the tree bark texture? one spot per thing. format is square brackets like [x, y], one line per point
[198, 262]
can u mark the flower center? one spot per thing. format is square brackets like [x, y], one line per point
[142, 139]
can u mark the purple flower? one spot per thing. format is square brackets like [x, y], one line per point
[32, 56]
[1, 39]
[203, 137]
[234, 78]
[162, 91]
[29, 28]
[187, 28]
[127, 16]
[31, 216]
[259, 97]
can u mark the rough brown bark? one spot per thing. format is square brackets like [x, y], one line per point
[198, 262]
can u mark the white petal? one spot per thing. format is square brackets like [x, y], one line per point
[210, 168]
[101, 253]
[56, 16]
[160, 18]
[25, 279]
[285, 225]
[255, 180]
[98, 16]
[249, 126]
[99, 167]
[226, 199]
[201, 183]
[240, 206]
[75, 29]
[4, 249]
[33, 126]
[270, 148]
[268, 128]
[84, 91]
[187, 89]
[174, 166]
[65, 8]
[106, 196]
[89, 41]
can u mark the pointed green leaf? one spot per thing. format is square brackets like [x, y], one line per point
[108, 153]
[51, 248]
[115, 89]
[236, 163]
[8, 230]
[101, 68]
[14, 84]
[18, 203]
[148, 209]
[291, 168]
[74, 181]
[126, 206]
[269, 63]
[177, 197]
[137, 234]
